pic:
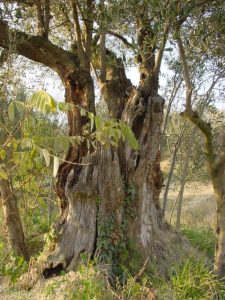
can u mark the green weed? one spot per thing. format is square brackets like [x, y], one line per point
[193, 280]
[202, 238]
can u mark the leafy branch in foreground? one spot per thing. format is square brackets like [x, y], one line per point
[99, 131]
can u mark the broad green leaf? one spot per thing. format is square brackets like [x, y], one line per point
[98, 122]
[128, 134]
[46, 157]
[2, 154]
[43, 102]
[19, 106]
[83, 112]
[62, 106]
[92, 118]
[11, 111]
[55, 166]
[3, 174]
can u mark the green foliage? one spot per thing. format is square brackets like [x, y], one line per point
[108, 239]
[113, 247]
[43, 102]
[12, 266]
[202, 238]
[89, 287]
[193, 280]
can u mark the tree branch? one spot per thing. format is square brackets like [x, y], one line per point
[40, 18]
[102, 45]
[80, 48]
[186, 74]
[89, 29]
[39, 50]
[123, 39]
[47, 17]
[159, 55]
[189, 113]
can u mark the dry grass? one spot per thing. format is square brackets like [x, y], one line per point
[199, 208]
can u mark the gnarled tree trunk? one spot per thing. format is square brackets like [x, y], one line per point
[109, 197]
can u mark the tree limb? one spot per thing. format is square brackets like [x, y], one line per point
[39, 50]
[186, 74]
[102, 45]
[159, 55]
[189, 113]
[120, 37]
[78, 32]
[89, 29]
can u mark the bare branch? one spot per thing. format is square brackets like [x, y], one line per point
[159, 55]
[89, 29]
[40, 18]
[123, 39]
[78, 32]
[186, 74]
[47, 17]
[102, 47]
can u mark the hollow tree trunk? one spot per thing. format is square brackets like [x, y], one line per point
[12, 220]
[113, 197]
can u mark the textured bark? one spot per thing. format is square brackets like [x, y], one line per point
[217, 168]
[12, 220]
[220, 232]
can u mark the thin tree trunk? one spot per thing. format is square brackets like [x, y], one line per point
[12, 220]
[176, 149]
[219, 265]
[218, 179]
[215, 157]
[165, 196]
[184, 179]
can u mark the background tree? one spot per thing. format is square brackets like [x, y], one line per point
[215, 157]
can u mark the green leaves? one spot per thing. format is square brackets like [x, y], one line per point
[43, 102]
[3, 173]
[2, 154]
[111, 131]
[11, 111]
[127, 134]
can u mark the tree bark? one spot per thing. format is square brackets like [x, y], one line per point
[12, 220]
[217, 168]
